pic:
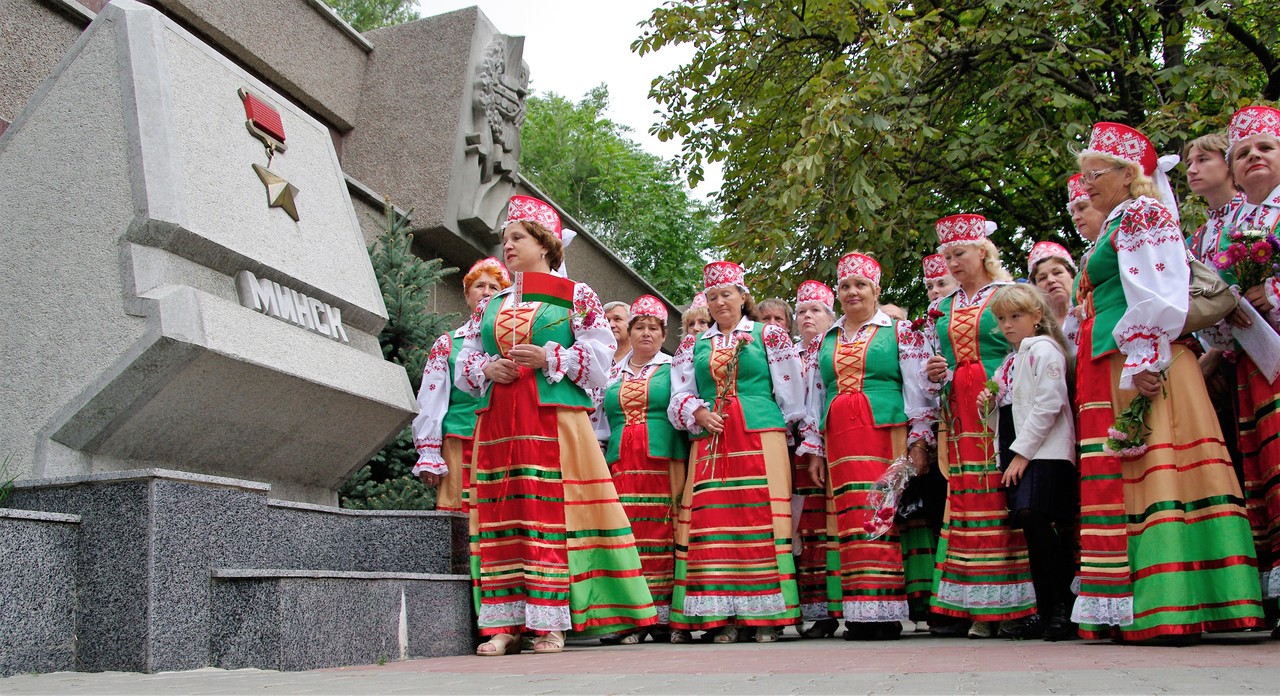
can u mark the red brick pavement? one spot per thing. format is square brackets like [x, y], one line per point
[913, 654]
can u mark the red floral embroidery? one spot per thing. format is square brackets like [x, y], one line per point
[1160, 267]
[1133, 270]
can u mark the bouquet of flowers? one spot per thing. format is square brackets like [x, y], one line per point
[1253, 256]
[1128, 437]
[886, 495]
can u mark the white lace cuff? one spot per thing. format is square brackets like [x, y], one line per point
[689, 406]
[557, 362]
[1144, 351]
[921, 429]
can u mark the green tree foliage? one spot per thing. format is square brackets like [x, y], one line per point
[386, 482]
[366, 15]
[855, 125]
[636, 202]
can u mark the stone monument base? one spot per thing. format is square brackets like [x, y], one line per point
[157, 570]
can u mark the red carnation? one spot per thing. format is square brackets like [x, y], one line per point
[935, 313]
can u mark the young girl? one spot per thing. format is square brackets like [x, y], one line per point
[1035, 430]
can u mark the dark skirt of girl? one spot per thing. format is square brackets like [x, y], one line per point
[1048, 486]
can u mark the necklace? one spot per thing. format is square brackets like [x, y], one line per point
[641, 366]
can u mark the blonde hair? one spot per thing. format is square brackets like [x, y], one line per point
[991, 264]
[1142, 185]
[1213, 142]
[691, 314]
[1025, 297]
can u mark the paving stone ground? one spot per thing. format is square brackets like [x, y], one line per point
[917, 664]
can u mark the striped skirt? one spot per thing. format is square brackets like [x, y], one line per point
[1165, 547]
[982, 572]
[551, 548]
[809, 529]
[645, 486]
[733, 536]
[1260, 450]
[867, 583]
[451, 496]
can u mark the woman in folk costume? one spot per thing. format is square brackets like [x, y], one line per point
[551, 548]
[921, 530]
[938, 281]
[865, 407]
[696, 319]
[1255, 163]
[1166, 552]
[1209, 176]
[647, 457]
[1051, 268]
[815, 312]
[446, 419]
[982, 573]
[736, 388]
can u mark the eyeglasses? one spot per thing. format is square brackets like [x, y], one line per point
[1092, 175]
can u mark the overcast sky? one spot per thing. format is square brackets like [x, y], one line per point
[574, 45]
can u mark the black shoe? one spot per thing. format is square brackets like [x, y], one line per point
[1023, 629]
[822, 628]
[954, 629]
[857, 630]
[1060, 627]
[887, 630]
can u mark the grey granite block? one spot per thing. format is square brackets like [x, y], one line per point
[112, 568]
[147, 600]
[37, 582]
[300, 620]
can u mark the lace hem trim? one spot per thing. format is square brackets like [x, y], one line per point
[732, 605]
[1103, 611]
[987, 596]
[1270, 583]
[815, 611]
[535, 617]
[863, 612]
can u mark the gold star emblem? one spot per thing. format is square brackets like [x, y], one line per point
[280, 193]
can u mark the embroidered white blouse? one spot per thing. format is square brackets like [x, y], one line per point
[785, 370]
[920, 406]
[585, 363]
[433, 404]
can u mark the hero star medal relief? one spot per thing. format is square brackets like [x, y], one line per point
[264, 124]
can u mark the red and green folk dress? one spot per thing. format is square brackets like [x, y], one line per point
[733, 536]
[445, 424]
[810, 541]
[982, 572]
[1165, 546]
[648, 458]
[1257, 401]
[865, 405]
[551, 547]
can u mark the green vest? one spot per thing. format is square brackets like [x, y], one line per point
[460, 420]
[1109, 303]
[881, 380]
[755, 384]
[665, 442]
[563, 394]
[992, 345]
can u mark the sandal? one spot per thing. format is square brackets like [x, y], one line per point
[500, 644]
[767, 634]
[728, 634]
[552, 642]
[681, 637]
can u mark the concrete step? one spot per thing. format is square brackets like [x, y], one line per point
[288, 619]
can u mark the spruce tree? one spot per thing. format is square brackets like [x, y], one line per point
[387, 481]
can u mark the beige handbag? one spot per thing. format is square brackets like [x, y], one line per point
[1209, 300]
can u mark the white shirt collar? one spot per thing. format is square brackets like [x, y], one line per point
[744, 324]
[661, 358]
